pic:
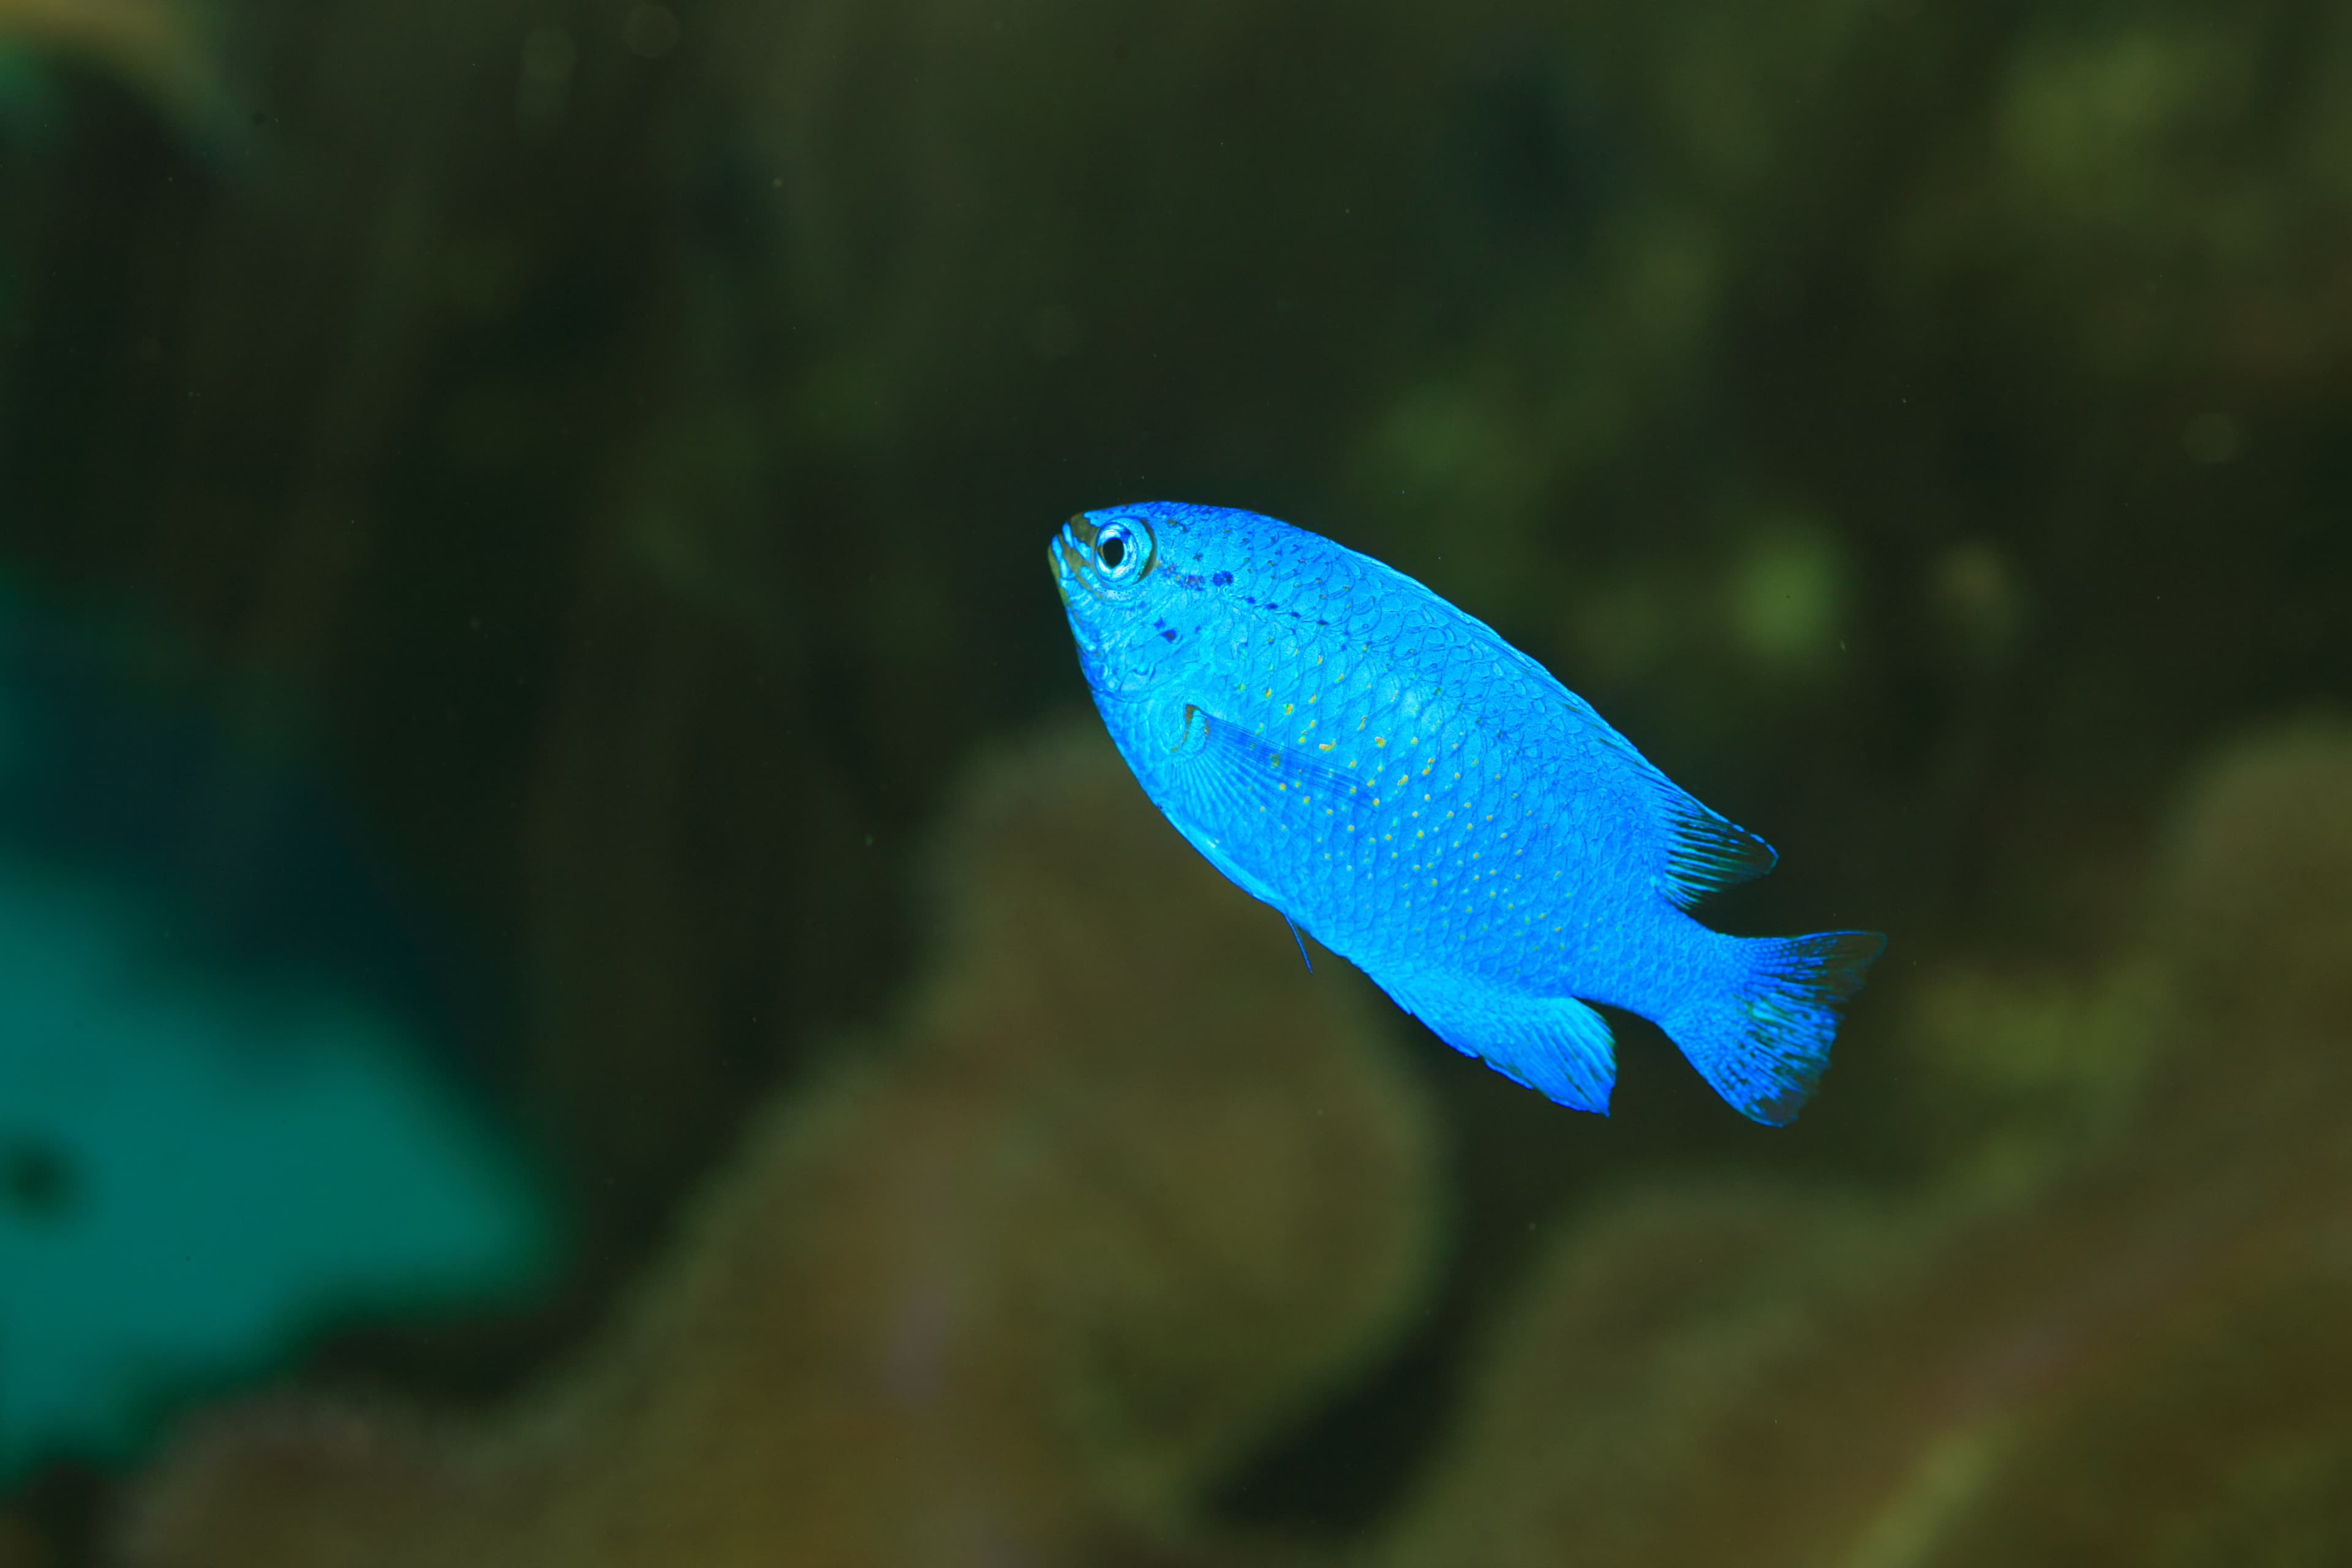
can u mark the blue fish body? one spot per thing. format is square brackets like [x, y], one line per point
[1431, 804]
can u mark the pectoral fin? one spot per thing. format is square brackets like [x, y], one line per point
[1266, 773]
[1245, 785]
[1255, 807]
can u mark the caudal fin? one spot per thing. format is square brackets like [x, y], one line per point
[1762, 1042]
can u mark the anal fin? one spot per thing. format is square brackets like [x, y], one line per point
[1554, 1045]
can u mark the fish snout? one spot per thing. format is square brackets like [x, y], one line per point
[1070, 550]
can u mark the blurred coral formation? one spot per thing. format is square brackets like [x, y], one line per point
[983, 1297]
[2135, 1354]
[618, 438]
[1127, 1188]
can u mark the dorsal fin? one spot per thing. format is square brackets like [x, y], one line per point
[1707, 853]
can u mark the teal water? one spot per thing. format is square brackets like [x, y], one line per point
[206, 1158]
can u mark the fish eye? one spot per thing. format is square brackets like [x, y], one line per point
[1121, 549]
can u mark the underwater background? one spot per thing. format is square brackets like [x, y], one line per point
[579, 984]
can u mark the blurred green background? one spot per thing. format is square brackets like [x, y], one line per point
[526, 697]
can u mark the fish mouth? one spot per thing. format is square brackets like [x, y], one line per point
[1068, 554]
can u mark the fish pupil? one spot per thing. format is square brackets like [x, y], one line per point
[1113, 550]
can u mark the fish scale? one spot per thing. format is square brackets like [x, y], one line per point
[1431, 804]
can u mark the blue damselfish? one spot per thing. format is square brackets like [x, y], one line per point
[1427, 802]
